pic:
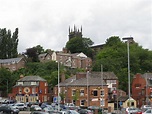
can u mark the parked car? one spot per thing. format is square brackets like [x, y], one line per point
[36, 107]
[20, 106]
[131, 110]
[72, 112]
[145, 107]
[148, 111]
[85, 111]
[9, 109]
[39, 112]
[47, 109]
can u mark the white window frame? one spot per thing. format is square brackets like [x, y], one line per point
[73, 92]
[102, 102]
[82, 102]
[102, 90]
[81, 92]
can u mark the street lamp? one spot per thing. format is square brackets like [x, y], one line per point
[58, 87]
[102, 87]
[128, 40]
[87, 89]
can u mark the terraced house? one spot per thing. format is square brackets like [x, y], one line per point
[13, 63]
[87, 89]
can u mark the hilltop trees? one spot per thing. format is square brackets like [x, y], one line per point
[78, 44]
[32, 53]
[113, 57]
[8, 44]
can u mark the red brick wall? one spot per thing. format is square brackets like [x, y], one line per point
[138, 89]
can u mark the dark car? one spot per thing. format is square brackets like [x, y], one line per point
[9, 109]
[39, 112]
[85, 111]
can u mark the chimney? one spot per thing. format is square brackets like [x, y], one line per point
[21, 76]
[62, 77]
[65, 50]
[80, 75]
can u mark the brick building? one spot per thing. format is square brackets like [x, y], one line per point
[142, 88]
[86, 89]
[13, 63]
[30, 89]
[75, 60]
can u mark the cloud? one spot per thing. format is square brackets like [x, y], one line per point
[46, 22]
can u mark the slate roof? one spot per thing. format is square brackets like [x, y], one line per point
[106, 75]
[94, 79]
[11, 60]
[31, 78]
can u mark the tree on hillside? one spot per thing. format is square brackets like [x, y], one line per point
[114, 58]
[8, 44]
[6, 81]
[78, 44]
[32, 53]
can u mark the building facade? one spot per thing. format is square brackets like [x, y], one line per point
[87, 89]
[30, 89]
[76, 60]
[142, 89]
[13, 63]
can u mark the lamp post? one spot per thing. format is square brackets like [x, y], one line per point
[128, 39]
[58, 87]
[87, 88]
[102, 87]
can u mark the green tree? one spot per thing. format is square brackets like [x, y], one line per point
[8, 44]
[114, 58]
[33, 53]
[7, 80]
[77, 45]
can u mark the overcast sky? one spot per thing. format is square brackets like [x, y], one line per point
[46, 22]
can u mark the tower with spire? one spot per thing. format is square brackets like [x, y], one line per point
[75, 33]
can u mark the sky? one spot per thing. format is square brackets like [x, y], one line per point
[47, 22]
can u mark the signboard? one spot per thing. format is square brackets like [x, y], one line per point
[114, 92]
[55, 99]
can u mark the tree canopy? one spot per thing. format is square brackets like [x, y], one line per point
[78, 44]
[32, 53]
[114, 58]
[8, 43]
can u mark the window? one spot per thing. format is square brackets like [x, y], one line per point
[143, 92]
[95, 93]
[148, 111]
[20, 83]
[73, 92]
[20, 90]
[45, 90]
[82, 102]
[81, 92]
[33, 83]
[46, 84]
[102, 102]
[102, 93]
[33, 90]
[74, 102]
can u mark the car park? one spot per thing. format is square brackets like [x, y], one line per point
[39, 112]
[148, 111]
[9, 109]
[131, 110]
[85, 111]
[20, 106]
[36, 107]
[145, 107]
[47, 109]
[72, 112]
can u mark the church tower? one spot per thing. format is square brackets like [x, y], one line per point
[75, 33]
